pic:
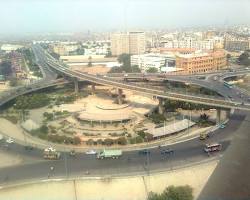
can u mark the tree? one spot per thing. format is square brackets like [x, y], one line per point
[13, 82]
[5, 68]
[121, 141]
[152, 70]
[244, 58]
[204, 117]
[124, 59]
[135, 69]
[173, 193]
[108, 141]
[90, 142]
[116, 70]
[44, 129]
[76, 140]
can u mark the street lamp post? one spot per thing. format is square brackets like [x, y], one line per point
[65, 161]
[147, 161]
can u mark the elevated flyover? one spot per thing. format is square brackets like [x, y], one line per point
[216, 101]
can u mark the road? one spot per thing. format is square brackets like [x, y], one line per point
[130, 162]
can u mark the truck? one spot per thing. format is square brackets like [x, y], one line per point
[51, 154]
[114, 154]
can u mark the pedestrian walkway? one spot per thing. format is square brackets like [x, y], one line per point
[18, 134]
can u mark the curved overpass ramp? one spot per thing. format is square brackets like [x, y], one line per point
[152, 91]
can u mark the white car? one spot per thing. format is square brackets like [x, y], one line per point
[91, 152]
[10, 141]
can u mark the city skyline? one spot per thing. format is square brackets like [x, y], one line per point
[65, 16]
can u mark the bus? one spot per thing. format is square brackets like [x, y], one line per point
[226, 84]
[212, 147]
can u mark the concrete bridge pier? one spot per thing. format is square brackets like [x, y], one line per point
[160, 106]
[93, 88]
[119, 97]
[228, 113]
[218, 116]
[76, 85]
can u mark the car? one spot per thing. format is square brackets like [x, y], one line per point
[144, 152]
[9, 141]
[167, 151]
[91, 152]
[27, 147]
[204, 136]
[72, 153]
[222, 126]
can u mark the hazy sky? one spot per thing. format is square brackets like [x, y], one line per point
[31, 16]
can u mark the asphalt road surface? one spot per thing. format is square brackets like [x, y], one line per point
[130, 162]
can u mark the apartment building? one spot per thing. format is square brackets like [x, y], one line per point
[237, 45]
[131, 43]
[201, 62]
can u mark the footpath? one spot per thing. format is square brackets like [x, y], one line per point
[8, 129]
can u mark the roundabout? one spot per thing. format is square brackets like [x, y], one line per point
[187, 152]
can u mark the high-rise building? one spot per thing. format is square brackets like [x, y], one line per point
[137, 43]
[119, 43]
[131, 43]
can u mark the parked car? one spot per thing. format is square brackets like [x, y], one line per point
[222, 126]
[144, 152]
[27, 147]
[91, 152]
[72, 153]
[167, 151]
[9, 141]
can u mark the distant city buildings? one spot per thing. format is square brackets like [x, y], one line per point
[10, 47]
[16, 64]
[133, 43]
[64, 49]
[188, 42]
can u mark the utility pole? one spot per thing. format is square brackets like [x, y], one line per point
[65, 161]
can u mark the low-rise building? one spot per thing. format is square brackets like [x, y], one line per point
[93, 59]
[201, 62]
[162, 62]
[63, 49]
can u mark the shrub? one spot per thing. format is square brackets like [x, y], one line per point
[76, 140]
[108, 141]
[44, 129]
[90, 142]
[121, 141]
